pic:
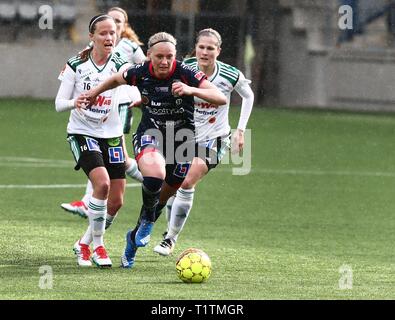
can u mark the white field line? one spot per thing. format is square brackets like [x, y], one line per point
[54, 186]
[51, 163]
[38, 160]
[316, 172]
[35, 162]
[37, 165]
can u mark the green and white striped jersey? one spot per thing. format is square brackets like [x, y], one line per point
[212, 121]
[102, 119]
[130, 51]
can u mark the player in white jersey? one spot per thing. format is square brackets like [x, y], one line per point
[95, 133]
[128, 46]
[212, 130]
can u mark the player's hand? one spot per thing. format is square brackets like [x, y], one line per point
[82, 101]
[179, 88]
[91, 96]
[237, 141]
[134, 104]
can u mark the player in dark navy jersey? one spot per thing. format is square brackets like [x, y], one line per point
[166, 131]
[159, 102]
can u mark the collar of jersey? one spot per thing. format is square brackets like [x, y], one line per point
[215, 73]
[94, 64]
[173, 69]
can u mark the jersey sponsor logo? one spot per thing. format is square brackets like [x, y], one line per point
[92, 144]
[200, 75]
[181, 169]
[223, 84]
[206, 113]
[103, 101]
[212, 120]
[165, 111]
[156, 104]
[144, 100]
[162, 89]
[147, 139]
[225, 88]
[86, 74]
[114, 142]
[116, 155]
[99, 111]
[205, 105]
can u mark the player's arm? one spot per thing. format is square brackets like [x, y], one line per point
[111, 83]
[244, 90]
[206, 91]
[139, 56]
[64, 101]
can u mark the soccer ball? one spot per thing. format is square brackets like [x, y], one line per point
[193, 265]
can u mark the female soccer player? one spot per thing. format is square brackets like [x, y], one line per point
[95, 133]
[128, 46]
[165, 135]
[212, 130]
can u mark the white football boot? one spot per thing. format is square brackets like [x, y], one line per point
[83, 253]
[165, 247]
[100, 257]
[76, 207]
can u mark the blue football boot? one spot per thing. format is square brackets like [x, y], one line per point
[127, 259]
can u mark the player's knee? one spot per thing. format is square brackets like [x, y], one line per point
[102, 187]
[155, 172]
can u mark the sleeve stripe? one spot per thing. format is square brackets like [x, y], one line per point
[74, 62]
[230, 75]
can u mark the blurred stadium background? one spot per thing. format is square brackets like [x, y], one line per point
[320, 193]
[293, 50]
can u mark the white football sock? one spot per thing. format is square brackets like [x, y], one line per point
[88, 193]
[97, 211]
[182, 205]
[133, 171]
[169, 205]
[87, 237]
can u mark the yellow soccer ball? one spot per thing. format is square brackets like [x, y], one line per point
[193, 266]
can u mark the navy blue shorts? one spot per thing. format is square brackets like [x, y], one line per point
[178, 154]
